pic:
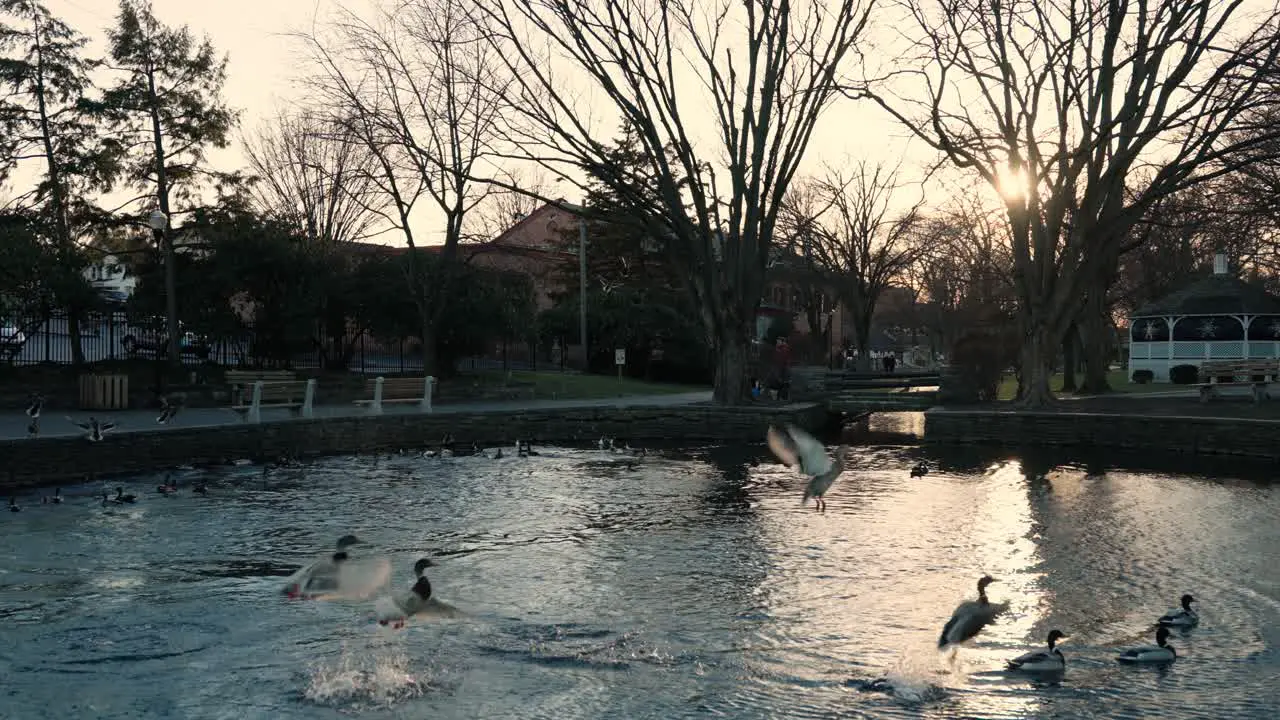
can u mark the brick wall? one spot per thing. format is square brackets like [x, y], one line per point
[44, 461]
[1245, 437]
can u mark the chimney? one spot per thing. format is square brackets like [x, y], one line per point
[1220, 263]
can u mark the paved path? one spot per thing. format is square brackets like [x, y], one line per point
[13, 423]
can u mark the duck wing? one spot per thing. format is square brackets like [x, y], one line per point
[800, 450]
[968, 620]
[1031, 658]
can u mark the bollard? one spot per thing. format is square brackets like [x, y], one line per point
[375, 407]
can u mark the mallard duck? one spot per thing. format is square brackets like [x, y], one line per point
[920, 470]
[56, 499]
[446, 448]
[395, 610]
[321, 576]
[169, 486]
[799, 450]
[35, 405]
[1186, 617]
[1161, 652]
[971, 616]
[122, 498]
[1042, 660]
[13, 505]
[95, 430]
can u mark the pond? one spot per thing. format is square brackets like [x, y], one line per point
[688, 583]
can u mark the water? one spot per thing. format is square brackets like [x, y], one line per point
[692, 584]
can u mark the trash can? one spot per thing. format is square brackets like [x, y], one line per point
[104, 392]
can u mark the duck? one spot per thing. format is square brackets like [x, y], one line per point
[96, 430]
[1186, 617]
[636, 452]
[1042, 660]
[971, 616]
[524, 448]
[13, 505]
[56, 499]
[169, 486]
[604, 443]
[168, 409]
[108, 500]
[33, 428]
[200, 488]
[122, 498]
[35, 405]
[446, 448]
[799, 450]
[395, 610]
[920, 470]
[1161, 652]
[320, 576]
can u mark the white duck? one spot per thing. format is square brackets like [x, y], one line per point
[1050, 660]
[971, 616]
[1186, 617]
[1161, 652]
[395, 610]
[799, 450]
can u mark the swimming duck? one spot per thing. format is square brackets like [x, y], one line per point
[320, 576]
[396, 609]
[169, 486]
[1162, 651]
[971, 616]
[13, 505]
[604, 443]
[168, 409]
[56, 499]
[637, 452]
[446, 448]
[802, 452]
[1042, 660]
[920, 470]
[1186, 617]
[96, 430]
[200, 489]
[122, 498]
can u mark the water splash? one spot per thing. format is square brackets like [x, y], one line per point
[378, 676]
[906, 681]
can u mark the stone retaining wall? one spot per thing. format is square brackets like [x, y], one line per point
[1247, 437]
[42, 461]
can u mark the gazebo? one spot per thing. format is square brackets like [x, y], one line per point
[1218, 318]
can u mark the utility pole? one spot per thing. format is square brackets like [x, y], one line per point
[582, 286]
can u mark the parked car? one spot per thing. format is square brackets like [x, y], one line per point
[156, 342]
[12, 340]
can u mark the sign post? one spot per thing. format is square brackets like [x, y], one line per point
[620, 359]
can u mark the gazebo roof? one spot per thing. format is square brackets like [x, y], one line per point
[1218, 294]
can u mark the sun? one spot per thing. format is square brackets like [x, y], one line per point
[1012, 184]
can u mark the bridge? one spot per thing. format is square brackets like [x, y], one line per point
[854, 393]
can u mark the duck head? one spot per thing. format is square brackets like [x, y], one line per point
[422, 588]
[422, 565]
[347, 541]
[983, 582]
[119, 492]
[1162, 636]
[340, 556]
[1186, 602]
[1054, 637]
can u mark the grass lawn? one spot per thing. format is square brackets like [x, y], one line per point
[573, 386]
[1118, 379]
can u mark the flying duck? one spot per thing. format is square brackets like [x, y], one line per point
[802, 452]
[168, 409]
[320, 576]
[1161, 652]
[1042, 660]
[56, 499]
[971, 616]
[1186, 617]
[35, 405]
[96, 430]
[395, 610]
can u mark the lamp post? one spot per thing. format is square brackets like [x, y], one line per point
[159, 223]
[582, 287]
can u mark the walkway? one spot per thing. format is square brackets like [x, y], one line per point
[13, 424]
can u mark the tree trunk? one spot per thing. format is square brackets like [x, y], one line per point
[731, 365]
[1096, 337]
[1037, 354]
[430, 349]
[73, 334]
[1069, 361]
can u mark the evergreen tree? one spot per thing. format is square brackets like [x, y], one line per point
[45, 118]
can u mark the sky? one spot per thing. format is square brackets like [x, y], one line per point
[265, 65]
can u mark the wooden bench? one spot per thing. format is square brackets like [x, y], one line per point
[398, 390]
[1259, 373]
[270, 389]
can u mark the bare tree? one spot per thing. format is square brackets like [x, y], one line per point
[856, 242]
[310, 172]
[417, 86]
[519, 197]
[1056, 104]
[765, 70]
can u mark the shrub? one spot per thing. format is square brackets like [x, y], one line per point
[1142, 377]
[978, 360]
[1184, 374]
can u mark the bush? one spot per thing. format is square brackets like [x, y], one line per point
[978, 361]
[1184, 374]
[1142, 377]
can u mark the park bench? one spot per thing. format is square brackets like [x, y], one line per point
[398, 390]
[252, 390]
[1260, 373]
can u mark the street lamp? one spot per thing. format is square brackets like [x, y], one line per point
[159, 223]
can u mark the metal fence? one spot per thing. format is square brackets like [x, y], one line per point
[111, 336]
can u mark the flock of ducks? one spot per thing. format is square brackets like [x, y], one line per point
[95, 429]
[805, 454]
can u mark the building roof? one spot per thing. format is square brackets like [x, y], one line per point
[1217, 294]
